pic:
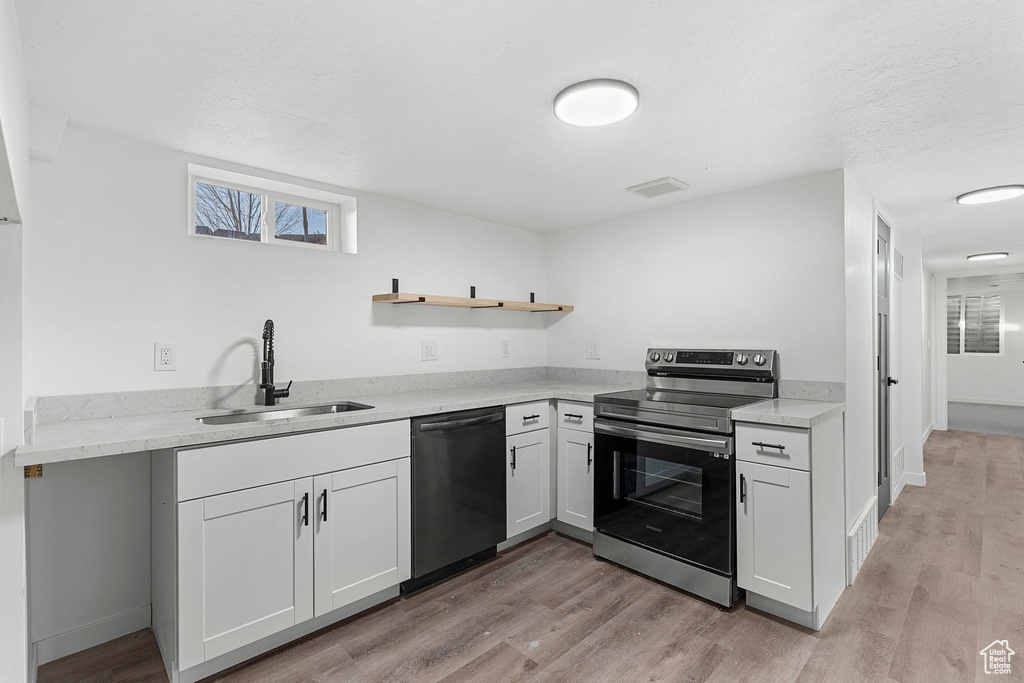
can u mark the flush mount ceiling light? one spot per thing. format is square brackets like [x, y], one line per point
[988, 195]
[987, 257]
[597, 102]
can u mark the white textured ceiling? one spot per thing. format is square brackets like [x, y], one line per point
[447, 103]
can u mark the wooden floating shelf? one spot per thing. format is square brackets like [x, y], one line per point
[465, 302]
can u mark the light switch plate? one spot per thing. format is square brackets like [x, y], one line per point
[428, 350]
[165, 357]
[506, 348]
[593, 351]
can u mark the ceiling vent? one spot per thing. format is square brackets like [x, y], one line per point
[657, 188]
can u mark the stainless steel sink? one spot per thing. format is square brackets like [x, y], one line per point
[281, 413]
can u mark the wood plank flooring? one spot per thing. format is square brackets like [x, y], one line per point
[944, 580]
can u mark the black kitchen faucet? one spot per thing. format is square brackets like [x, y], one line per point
[270, 394]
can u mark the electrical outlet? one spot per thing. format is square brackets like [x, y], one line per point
[593, 351]
[428, 350]
[506, 348]
[165, 357]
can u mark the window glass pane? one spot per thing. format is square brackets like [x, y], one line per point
[223, 212]
[981, 324]
[953, 324]
[300, 223]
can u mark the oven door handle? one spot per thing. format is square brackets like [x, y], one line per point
[668, 437]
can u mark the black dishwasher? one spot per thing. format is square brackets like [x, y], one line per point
[458, 492]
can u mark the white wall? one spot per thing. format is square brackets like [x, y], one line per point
[14, 204]
[759, 268]
[927, 353]
[913, 350]
[861, 462]
[111, 270]
[992, 379]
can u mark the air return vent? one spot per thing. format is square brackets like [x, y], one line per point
[860, 539]
[657, 188]
[897, 263]
[899, 466]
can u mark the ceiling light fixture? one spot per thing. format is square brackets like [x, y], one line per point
[987, 195]
[987, 257]
[597, 102]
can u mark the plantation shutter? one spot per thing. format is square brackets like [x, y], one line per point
[953, 324]
[981, 324]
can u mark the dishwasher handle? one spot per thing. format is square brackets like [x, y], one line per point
[459, 424]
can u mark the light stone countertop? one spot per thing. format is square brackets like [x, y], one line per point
[789, 412]
[94, 438]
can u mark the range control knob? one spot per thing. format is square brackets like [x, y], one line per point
[670, 357]
[741, 359]
[760, 360]
[655, 357]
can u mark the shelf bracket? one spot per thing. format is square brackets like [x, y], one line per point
[394, 285]
[500, 304]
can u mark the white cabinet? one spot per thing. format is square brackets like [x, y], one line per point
[245, 567]
[528, 486]
[261, 542]
[773, 533]
[528, 466]
[790, 519]
[362, 542]
[575, 490]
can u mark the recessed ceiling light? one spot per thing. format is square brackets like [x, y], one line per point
[991, 194]
[987, 257]
[597, 102]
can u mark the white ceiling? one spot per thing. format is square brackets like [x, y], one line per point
[447, 103]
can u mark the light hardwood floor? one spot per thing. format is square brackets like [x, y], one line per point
[945, 579]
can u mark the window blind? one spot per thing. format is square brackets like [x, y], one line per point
[953, 324]
[981, 324]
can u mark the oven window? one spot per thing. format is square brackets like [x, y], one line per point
[664, 485]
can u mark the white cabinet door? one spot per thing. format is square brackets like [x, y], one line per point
[575, 493]
[363, 543]
[773, 533]
[528, 481]
[245, 563]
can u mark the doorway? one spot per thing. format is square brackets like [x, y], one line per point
[883, 273]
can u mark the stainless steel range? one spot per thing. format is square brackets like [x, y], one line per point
[664, 469]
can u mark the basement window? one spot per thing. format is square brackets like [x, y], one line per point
[229, 205]
[974, 324]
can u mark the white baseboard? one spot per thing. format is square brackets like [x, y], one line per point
[915, 478]
[928, 432]
[986, 401]
[898, 488]
[76, 640]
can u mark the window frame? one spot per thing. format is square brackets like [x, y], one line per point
[340, 208]
[963, 352]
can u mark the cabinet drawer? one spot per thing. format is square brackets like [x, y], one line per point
[526, 417]
[578, 416]
[795, 451]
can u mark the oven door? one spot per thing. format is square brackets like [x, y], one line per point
[667, 490]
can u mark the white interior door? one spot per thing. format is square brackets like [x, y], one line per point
[576, 478]
[245, 567]
[529, 481]
[363, 539]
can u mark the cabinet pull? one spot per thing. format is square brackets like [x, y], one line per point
[743, 488]
[513, 458]
[574, 416]
[761, 444]
[305, 509]
[590, 459]
[323, 509]
[527, 418]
